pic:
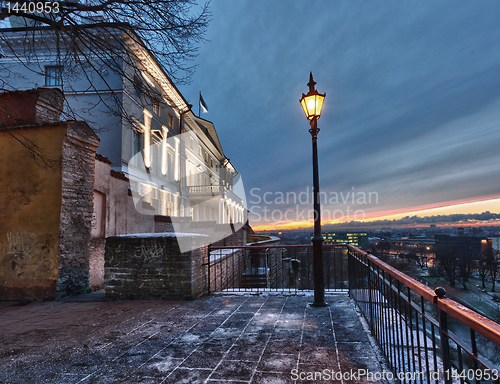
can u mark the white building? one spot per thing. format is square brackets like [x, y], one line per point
[173, 158]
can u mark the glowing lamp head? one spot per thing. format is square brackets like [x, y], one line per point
[312, 103]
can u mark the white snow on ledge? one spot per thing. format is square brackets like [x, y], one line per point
[161, 234]
[220, 253]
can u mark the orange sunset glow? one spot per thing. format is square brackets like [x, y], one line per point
[491, 205]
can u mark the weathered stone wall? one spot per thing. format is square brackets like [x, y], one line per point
[151, 266]
[30, 197]
[78, 162]
[45, 223]
[166, 223]
[96, 264]
[235, 238]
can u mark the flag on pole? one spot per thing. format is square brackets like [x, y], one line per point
[203, 105]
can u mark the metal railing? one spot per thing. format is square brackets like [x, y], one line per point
[425, 337]
[273, 268]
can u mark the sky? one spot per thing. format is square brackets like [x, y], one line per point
[411, 120]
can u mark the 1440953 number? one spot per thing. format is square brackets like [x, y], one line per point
[32, 7]
[472, 374]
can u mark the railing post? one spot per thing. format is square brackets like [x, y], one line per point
[208, 264]
[474, 352]
[370, 298]
[445, 340]
[349, 272]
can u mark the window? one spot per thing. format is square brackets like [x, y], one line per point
[156, 106]
[137, 86]
[170, 165]
[136, 144]
[157, 158]
[170, 121]
[169, 205]
[54, 75]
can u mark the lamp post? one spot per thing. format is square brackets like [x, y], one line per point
[312, 103]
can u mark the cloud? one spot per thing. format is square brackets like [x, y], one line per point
[412, 95]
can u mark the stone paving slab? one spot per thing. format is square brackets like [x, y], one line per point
[217, 339]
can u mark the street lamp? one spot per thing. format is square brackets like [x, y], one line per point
[312, 103]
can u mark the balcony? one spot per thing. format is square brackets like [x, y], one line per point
[424, 336]
[379, 324]
[205, 190]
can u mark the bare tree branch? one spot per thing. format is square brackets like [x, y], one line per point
[92, 37]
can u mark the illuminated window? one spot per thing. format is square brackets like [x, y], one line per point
[54, 75]
[156, 106]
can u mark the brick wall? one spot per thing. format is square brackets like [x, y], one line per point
[118, 216]
[96, 263]
[77, 171]
[151, 266]
[235, 238]
[166, 223]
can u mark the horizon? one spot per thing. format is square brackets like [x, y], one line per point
[393, 219]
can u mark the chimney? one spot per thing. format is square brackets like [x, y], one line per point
[32, 107]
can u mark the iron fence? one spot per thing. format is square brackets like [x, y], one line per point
[273, 268]
[425, 337]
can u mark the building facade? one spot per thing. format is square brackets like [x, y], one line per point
[173, 159]
[359, 240]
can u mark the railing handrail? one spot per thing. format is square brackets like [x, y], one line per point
[478, 323]
[422, 289]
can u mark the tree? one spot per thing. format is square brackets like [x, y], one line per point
[493, 272]
[383, 249]
[169, 29]
[466, 259]
[484, 262]
[93, 38]
[445, 264]
[491, 260]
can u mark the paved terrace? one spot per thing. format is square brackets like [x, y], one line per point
[218, 339]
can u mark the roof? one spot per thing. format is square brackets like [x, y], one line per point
[209, 131]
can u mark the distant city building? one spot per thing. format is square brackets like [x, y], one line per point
[358, 239]
[470, 245]
[405, 246]
[495, 242]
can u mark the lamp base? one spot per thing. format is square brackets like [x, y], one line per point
[320, 304]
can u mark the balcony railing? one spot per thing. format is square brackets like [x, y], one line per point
[204, 190]
[424, 337]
